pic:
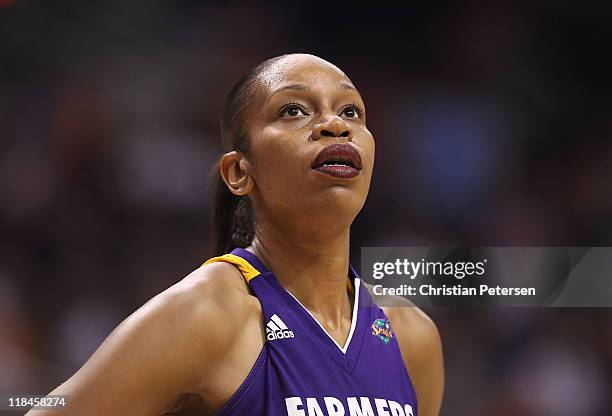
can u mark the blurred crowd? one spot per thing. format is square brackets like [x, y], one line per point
[492, 124]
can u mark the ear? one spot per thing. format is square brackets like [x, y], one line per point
[235, 172]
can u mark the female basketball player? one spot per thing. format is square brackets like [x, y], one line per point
[282, 325]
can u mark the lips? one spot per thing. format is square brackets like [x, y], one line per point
[339, 160]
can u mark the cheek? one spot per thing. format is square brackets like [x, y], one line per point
[369, 147]
[372, 153]
[279, 166]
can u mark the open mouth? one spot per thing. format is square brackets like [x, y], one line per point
[339, 160]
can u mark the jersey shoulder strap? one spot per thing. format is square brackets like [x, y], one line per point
[248, 271]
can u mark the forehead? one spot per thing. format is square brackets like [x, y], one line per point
[301, 69]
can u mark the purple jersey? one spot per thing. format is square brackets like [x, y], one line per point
[302, 371]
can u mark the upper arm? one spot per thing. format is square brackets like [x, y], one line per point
[154, 355]
[421, 349]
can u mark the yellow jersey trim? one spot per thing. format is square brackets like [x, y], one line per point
[248, 271]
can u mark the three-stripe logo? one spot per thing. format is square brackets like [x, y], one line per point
[276, 329]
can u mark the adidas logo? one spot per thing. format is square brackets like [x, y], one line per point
[276, 329]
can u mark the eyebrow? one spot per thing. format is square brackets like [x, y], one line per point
[303, 87]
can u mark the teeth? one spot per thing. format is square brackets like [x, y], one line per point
[338, 162]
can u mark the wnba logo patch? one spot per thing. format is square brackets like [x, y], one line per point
[276, 329]
[382, 329]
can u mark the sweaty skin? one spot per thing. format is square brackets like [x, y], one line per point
[188, 349]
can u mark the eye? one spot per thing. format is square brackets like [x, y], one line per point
[292, 110]
[352, 111]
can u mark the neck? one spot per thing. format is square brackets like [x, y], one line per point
[313, 268]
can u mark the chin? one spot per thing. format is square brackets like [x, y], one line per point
[341, 201]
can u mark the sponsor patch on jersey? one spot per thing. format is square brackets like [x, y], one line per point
[353, 406]
[381, 328]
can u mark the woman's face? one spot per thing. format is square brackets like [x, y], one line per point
[303, 106]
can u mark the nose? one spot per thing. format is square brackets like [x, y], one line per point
[333, 126]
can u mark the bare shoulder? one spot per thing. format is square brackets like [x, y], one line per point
[213, 290]
[214, 287]
[193, 308]
[165, 348]
[189, 309]
[421, 348]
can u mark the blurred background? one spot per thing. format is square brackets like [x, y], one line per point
[493, 125]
